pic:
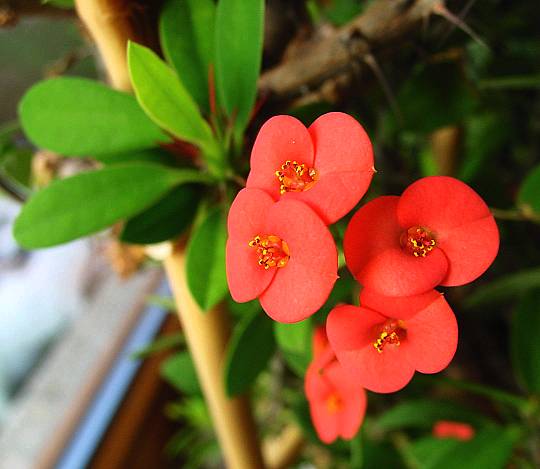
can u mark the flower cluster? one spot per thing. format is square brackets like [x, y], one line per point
[279, 250]
[279, 247]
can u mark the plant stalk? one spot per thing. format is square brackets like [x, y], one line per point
[207, 334]
[111, 24]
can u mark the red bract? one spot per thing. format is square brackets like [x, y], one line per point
[457, 430]
[382, 350]
[280, 252]
[328, 166]
[439, 232]
[337, 404]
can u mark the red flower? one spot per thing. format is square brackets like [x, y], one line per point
[439, 232]
[457, 430]
[336, 403]
[328, 166]
[382, 349]
[280, 252]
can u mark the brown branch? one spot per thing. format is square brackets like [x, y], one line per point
[342, 50]
[11, 11]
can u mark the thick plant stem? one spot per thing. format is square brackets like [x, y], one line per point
[110, 24]
[207, 334]
[110, 27]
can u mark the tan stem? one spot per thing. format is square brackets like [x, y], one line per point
[207, 334]
[110, 28]
[282, 451]
[110, 25]
[445, 145]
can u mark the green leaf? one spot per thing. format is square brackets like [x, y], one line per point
[250, 348]
[179, 371]
[485, 134]
[162, 343]
[515, 82]
[205, 261]
[186, 29]
[525, 345]
[504, 288]
[163, 97]
[166, 219]
[64, 4]
[529, 193]
[86, 203]
[435, 96]
[80, 117]
[239, 42]
[294, 342]
[491, 448]
[152, 155]
[424, 413]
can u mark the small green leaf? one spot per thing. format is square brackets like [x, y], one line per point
[513, 82]
[294, 342]
[525, 345]
[239, 41]
[205, 261]
[491, 448]
[64, 4]
[166, 219]
[179, 371]
[80, 117]
[504, 288]
[424, 413]
[162, 343]
[163, 97]
[186, 29]
[86, 203]
[529, 193]
[250, 348]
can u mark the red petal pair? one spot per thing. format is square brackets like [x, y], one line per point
[382, 349]
[337, 404]
[439, 232]
[280, 252]
[328, 166]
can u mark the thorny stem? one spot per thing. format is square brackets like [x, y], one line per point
[403, 447]
[515, 214]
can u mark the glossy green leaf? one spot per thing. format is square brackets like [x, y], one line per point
[525, 345]
[239, 42]
[86, 203]
[529, 193]
[164, 97]
[504, 288]
[205, 262]
[294, 342]
[80, 117]
[179, 371]
[166, 219]
[491, 448]
[251, 347]
[186, 29]
[424, 413]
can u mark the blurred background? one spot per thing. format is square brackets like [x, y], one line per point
[458, 96]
